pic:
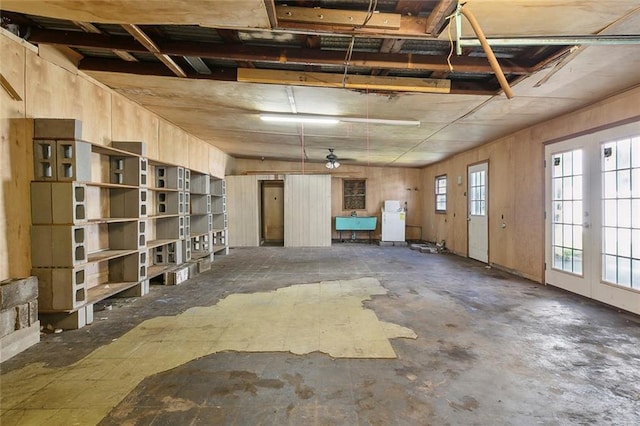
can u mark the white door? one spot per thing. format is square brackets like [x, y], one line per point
[307, 211]
[592, 243]
[569, 240]
[478, 229]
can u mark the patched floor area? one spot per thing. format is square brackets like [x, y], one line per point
[327, 317]
[235, 345]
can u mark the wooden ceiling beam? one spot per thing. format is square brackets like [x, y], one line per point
[150, 68]
[149, 44]
[275, 55]
[90, 28]
[230, 74]
[412, 7]
[437, 20]
[344, 18]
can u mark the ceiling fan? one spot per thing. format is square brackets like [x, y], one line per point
[332, 160]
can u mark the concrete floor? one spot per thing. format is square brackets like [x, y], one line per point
[491, 349]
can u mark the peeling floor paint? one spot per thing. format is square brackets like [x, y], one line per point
[328, 317]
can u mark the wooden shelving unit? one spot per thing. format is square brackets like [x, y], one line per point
[106, 220]
[88, 239]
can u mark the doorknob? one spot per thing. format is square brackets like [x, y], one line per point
[469, 219]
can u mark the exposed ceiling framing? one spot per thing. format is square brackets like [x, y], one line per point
[390, 49]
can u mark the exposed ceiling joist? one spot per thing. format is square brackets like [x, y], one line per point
[276, 55]
[90, 28]
[400, 84]
[146, 41]
[345, 18]
[230, 74]
[437, 20]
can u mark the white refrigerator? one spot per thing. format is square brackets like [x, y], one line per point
[393, 221]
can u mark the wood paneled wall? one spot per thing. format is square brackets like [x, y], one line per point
[58, 90]
[383, 183]
[307, 211]
[516, 186]
[243, 210]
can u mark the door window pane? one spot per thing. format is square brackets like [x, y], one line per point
[567, 217]
[477, 194]
[621, 212]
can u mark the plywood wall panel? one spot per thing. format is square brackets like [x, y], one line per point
[130, 122]
[383, 183]
[516, 168]
[16, 168]
[307, 211]
[243, 210]
[198, 155]
[54, 92]
[173, 144]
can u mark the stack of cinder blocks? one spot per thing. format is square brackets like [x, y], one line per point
[19, 325]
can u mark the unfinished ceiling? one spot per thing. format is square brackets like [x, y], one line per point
[211, 67]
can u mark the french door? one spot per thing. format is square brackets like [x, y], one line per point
[592, 241]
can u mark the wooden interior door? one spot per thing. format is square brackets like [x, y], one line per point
[273, 211]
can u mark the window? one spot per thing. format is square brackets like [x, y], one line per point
[477, 196]
[354, 192]
[567, 188]
[441, 194]
[621, 212]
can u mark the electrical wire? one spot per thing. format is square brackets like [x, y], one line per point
[302, 154]
[450, 18]
[373, 5]
[346, 61]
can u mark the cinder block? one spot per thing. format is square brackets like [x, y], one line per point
[18, 341]
[200, 183]
[15, 292]
[58, 246]
[201, 224]
[135, 147]
[219, 220]
[169, 202]
[200, 204]
[88, 311]
[176, 276]
[61, 203]
[170, 177]
[33, 312]
[204, 265]
[60, 288]
[193, 269]
[67, 321]
[8, 319]
[170, 228]
[128, 170]
[57, 128]
[45, 160]
[22, 317]
[125, 202]
[124, 236]
[73, 161]
[185, 246]
[127, 268]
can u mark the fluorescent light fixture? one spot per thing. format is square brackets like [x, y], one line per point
[332, 119]
[299, 118]
[381, 121]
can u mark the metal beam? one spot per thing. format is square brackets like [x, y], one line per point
[146, 41]
[579, 40]
[402, 61]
